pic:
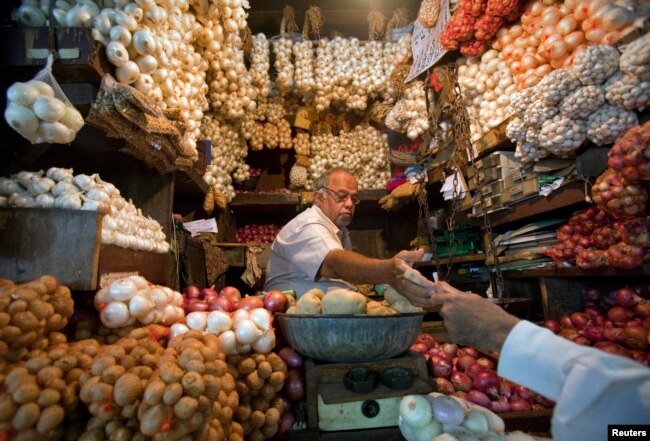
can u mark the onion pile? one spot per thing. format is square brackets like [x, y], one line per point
[259, 233]
[441, 417]
[132, 299]
[591, 239]
[617, 322]
[462, 372]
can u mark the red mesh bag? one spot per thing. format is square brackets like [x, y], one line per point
[487, 26]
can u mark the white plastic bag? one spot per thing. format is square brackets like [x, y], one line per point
[40, 111]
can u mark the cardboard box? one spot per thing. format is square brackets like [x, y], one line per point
[505, 160]
[520, 190]
[492, 189]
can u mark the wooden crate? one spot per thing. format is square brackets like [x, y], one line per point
[66, 244]
[39, 241]
[561, 296]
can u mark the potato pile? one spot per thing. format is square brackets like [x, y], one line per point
[345, 301]
[29, 312]
[192, 393]
[39, 400]
[90, 327]
[113, 387]
[258, 379]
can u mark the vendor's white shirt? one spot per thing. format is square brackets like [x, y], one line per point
[299, 249]
[591, 388]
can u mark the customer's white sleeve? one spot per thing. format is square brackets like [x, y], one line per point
[591, 388]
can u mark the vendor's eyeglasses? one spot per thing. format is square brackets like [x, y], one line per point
[342, 196]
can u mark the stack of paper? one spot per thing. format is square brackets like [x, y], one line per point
[525, 247]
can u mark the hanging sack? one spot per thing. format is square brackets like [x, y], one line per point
[39, 110]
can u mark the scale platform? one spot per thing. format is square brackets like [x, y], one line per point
[331, 406]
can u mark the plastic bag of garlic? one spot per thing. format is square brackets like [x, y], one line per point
[39, 110]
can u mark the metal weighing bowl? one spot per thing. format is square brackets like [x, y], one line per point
[350, 338]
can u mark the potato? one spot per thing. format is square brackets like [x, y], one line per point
[343, 301]
[378, 308]
[309, 303]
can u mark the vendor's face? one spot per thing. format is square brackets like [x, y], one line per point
[340, 184]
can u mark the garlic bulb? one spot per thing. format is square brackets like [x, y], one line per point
[303, 53]
[583, 101]
[556, 85]
[627, 91]
[609, 123]
[635, 58]
[282, 48]
[562, 135]
[538, 113]
[260, 65]
[516, 130]
[595, 64]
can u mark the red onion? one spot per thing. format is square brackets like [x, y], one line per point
[208, 292]
[485, 362]
[294, 386]
[641, 356]
[461, 381]
[426, 339]
[463, 362]
[275, 301]
[191, 292]
[291, 357]
[579, 319]
[553, 325]
[487, 382]
[619, 315]
[250, 302]
[646, 323]
[474, 369]
[500, 406]
[460, 394]
[642, 309]
[612, 334]
[439, 352]
[635, 337]
[565, 322]
[581, 340]
[593, 333]
[627, 297]
[221, 304]
[522, 392]
[450, 349]
[419, 347]
[470, 351]
[444, 386]
[541, 399]
[196, 305]
[286, 422]
[231, 293]
[505, 388]
[478, 397]
[518, 404]
[438, 366]
[612, 348]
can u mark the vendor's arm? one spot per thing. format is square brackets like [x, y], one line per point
[356, 268]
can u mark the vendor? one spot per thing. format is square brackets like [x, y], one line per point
[313, 250]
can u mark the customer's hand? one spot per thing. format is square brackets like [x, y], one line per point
[473, 320]
[410, 282]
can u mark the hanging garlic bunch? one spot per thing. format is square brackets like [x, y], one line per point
[402, 50]
[282, 48]
[303, 54]
[364, 151]
[260, 66]
[416, 109]
[324, 73]
[228, 150]
[301, 144]
[344, 50]
[241, 173]
[284, 134]
[359, 80]
[378, 68]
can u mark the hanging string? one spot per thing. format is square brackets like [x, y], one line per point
[376, 23]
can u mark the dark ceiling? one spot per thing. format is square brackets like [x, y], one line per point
[348, 17]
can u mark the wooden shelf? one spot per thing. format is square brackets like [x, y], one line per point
[457, 259]
[280, 198]
[566, 196]
[258, 198]
[188, 183]
[576, 272]
[492, 140]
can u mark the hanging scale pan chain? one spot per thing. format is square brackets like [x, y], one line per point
[461, 131]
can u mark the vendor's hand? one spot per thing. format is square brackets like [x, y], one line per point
[410, 282]
[473, 320]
